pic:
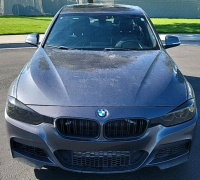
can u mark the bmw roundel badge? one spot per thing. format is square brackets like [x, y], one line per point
[102, 113]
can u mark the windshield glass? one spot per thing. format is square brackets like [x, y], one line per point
[102, 31]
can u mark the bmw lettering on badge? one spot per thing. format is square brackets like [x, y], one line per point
[102, 113]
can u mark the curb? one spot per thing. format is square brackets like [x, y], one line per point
[188, 39]
[15, 45]
[25, 45]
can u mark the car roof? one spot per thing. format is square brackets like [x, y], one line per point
[102, 8]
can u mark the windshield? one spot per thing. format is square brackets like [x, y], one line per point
[102, 31]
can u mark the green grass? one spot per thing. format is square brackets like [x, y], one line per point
[169, 25]
[23, 24]
[29, 24]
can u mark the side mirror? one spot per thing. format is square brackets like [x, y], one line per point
[171, 41]
[33, 39]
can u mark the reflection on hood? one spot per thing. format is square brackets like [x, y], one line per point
[86, 61]
[95, 78]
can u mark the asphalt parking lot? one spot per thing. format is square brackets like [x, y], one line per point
[12, 61]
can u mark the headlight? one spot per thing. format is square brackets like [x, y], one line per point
[181, 114]
[18, 111]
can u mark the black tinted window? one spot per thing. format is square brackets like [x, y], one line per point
[100, 31]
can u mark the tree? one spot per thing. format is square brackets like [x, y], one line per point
[40, 6]
[2, 6]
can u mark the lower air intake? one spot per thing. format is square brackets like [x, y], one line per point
[101, 158]
[29, 149]
[101, 161]
[169, 151]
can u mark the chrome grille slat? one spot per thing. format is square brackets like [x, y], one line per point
[141, 123]
[74, 126]
[68, 127]
[134, 127]
[62, 125]
[122, 127]
[128, 127]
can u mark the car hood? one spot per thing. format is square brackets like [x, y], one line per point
[101, 78]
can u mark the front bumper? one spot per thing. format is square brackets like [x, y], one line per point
[41, 146]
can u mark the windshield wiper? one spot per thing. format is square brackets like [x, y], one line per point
[61, 47]
[118, 49]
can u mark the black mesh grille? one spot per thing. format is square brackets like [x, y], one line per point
[125, 128]
[172, 150]
[28, 149]
[101, 158]
[101, 161]
[77, 128]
